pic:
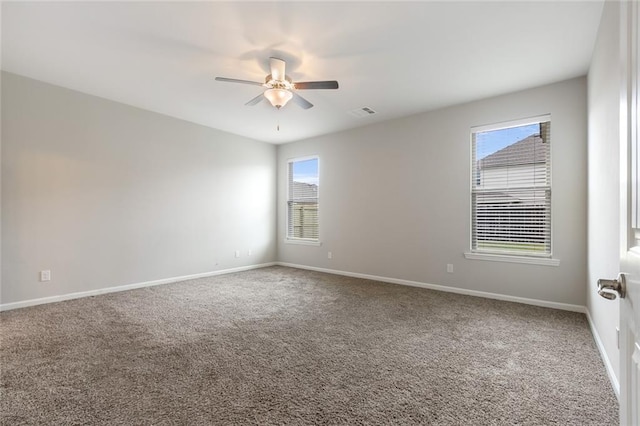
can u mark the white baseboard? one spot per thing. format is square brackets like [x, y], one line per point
[603, 354]
[526, 301]
[69, 296]
[536, 302]
[543, 303]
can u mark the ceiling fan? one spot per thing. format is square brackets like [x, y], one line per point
[280, 88]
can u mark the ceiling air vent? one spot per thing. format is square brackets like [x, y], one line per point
[362, 112]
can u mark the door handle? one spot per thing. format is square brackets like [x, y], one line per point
[610, 289]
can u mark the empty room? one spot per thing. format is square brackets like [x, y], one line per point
[300, 212]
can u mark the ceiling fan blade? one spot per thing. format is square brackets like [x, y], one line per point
[301, 102]
[255, 100]
[234, 80]
[277, 69]
[307, 85]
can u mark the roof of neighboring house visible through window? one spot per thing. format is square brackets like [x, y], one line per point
[530, 150]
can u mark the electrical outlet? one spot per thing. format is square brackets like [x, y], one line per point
[237, 253]
[329, 255]
[450, 268]
[249, 253]
[45, 275]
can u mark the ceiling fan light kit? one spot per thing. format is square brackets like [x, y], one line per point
[278, 97]
[280, 88]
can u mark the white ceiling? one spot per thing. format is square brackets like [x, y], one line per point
[396, 58]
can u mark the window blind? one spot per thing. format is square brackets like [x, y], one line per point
[511, 189]
[302, 203]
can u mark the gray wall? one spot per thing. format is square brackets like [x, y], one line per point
[604, 176]
[104, 194]
[394, 197]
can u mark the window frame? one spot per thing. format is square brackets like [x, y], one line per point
[505, 256]
[297, 240]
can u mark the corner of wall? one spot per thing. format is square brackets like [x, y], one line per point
[603, 354]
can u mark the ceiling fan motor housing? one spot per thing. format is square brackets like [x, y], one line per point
[270, 82]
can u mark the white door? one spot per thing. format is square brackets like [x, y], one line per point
[630, 218]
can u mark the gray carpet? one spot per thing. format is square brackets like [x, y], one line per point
[286, 346]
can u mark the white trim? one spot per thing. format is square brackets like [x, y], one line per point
[513, 259]
[486, 295]
[302, 241]
[303, 158]
[511, 123]
[603, 354]
[634, 106]
[70, 296]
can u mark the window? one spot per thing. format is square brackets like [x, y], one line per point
[511, 188]
[302, 199]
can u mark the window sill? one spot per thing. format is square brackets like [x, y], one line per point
[513, 259]
[302, 242]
